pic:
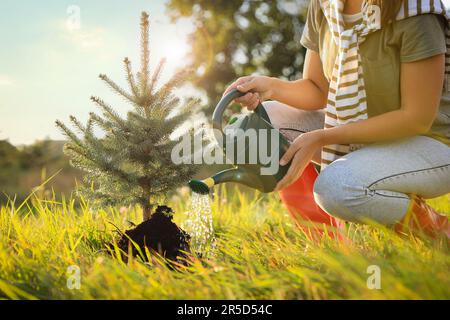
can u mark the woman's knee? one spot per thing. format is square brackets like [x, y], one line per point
[339, 193]
[326, 192]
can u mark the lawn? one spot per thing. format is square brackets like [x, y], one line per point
[260, 254]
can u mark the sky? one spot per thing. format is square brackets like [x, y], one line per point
[51, 52]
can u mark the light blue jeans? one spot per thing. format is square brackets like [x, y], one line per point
[374, 182]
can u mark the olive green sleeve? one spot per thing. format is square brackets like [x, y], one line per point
[421, 37]
[310, 36]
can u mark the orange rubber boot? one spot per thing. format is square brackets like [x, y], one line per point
[422, 218]
[298, 198]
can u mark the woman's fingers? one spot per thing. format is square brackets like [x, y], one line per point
[292, 174]
[230, 87]
[246, 86]
[236, 83]
[254, 102]
[300, 153]
[249, 100]
[288, 179]
[246, 99]
[289, 154]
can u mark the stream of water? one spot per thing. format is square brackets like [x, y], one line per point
[199, 225]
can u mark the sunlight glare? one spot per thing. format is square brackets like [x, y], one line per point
[175, 52]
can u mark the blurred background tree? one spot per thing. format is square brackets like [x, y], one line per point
[26, 167]
[233, 38]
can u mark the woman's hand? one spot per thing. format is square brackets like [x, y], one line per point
[301, 152]
[258, 88]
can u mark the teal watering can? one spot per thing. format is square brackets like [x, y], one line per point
[236, 135]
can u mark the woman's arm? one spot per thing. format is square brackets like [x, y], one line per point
[421, 90]
[309, 93]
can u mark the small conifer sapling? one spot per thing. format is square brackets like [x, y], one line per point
[130, 163]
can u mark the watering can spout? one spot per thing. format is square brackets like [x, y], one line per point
[237, 175]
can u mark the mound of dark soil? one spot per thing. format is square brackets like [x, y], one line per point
[159, 234]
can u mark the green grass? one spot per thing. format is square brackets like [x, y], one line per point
[260, 255]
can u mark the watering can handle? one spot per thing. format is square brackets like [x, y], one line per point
[223, 104]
